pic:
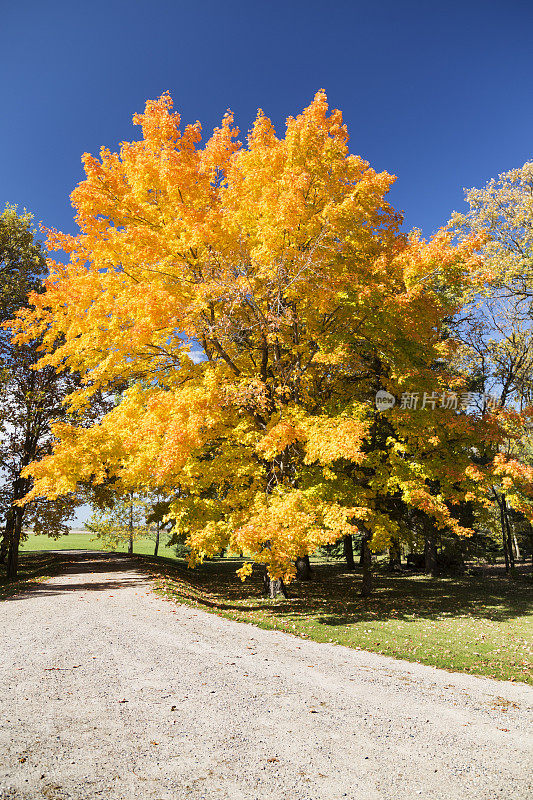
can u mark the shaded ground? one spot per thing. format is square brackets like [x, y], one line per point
[476, 624]
[32, 567]
[107, 691]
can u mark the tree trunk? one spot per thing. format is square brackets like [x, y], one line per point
[156, 548]
[506, 531]
[8, 534]
[273, 588]
[361, 555]
[430, 552]
[303, 568]
[504, 537]
[130, 540]
[347, 549]
[4, 546]
[366, 563]
[13, 528]
[508, 534]
[395, 554]
[512, 542]
[516, 548]
[14, 543]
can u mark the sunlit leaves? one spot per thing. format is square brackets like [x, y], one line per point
[281, 263]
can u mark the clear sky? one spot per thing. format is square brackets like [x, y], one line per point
[438, 93]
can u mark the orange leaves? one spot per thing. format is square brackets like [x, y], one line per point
[515, 472]
[475, 473]
[323, 439]
[288, 524]
[245, 571]
[281, 265]
[159, 124]
[279, 530]
[516, 478]
[172, 234]
[262, 134]
[332, 438]
[160, 428]
[80, 454]
[247, 395]
[279, 437]
[217, 153]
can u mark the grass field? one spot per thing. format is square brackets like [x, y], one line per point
[474, 624]
[80, 540]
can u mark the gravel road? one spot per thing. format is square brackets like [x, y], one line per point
[109, 692]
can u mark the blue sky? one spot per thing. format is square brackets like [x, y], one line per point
[438, 93]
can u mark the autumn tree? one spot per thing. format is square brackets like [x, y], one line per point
[502, 212]
[497, 343]
[29, 399]
[255, 298]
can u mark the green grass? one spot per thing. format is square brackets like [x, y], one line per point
[79, 540]
[477, 625]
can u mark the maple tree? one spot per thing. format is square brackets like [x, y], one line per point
[502, 212]
[498, 341]
[254, 299]
[29, 399]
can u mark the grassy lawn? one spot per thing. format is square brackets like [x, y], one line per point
[478, 625]
[79, 540]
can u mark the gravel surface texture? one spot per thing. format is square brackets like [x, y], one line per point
[107, 691]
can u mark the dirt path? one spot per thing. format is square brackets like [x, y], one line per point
[106, 691]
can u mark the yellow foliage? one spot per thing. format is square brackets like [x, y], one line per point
[252, 298]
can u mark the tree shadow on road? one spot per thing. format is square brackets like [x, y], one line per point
[88, 563]
[331, 597]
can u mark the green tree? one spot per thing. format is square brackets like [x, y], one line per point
[124, 521]
[30, 400]
[22, 263]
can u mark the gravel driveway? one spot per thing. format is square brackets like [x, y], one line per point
[109, 692]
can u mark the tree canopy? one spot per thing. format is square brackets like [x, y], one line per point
[255, 298]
